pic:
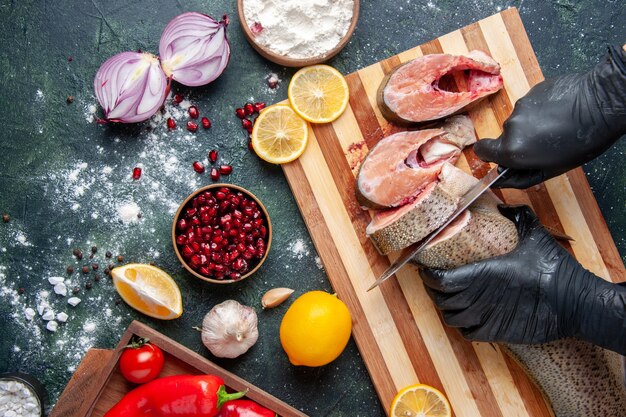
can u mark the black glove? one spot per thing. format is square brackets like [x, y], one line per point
[561, 123]
[535, 294]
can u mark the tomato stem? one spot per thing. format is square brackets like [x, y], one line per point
[137, 342]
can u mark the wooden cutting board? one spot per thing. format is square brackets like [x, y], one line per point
[399, 332]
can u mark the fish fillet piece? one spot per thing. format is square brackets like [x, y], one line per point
[400, 166]
[418, 91]
[395, 229]
[578, 378]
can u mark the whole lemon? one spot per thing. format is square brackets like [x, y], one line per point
[315, 329]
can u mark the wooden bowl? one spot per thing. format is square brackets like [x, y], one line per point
[268, 238]
[293, 62]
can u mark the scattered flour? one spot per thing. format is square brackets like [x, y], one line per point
[299, 28]
[128, 212]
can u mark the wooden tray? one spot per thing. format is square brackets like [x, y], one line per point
[97, 384]
[398, 331]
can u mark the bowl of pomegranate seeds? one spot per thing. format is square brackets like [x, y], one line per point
[222, 233]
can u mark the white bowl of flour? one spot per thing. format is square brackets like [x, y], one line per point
[297, 33]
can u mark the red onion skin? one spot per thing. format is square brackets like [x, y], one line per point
[130, 87]
[194, 48]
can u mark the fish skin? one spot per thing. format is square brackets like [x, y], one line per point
[431, 212]
[385, 180]
[576, 377]
[487, 234]
[410, 94]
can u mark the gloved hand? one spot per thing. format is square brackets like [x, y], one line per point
[561, 124]
[535, 294]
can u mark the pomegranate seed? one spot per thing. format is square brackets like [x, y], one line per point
[213, 156]
[191, 235]
[249, 130]
[248, 211]
[182, 224]
[250, 147]
[216, 257]
[195, 246]
[206, 123]
[220, 195]
[136, 173]
[178, 98]
[196, 260]
[205, 271]
[247, 124]
[171, 124]
[241, 247]
[247, 227]
[234, 276]
[226, 169]
[233, 232]
[181, 239]
[214, 246]
[256, 28]
[241, 113]
[215, 174]
[263, 231]
[187, 251]
[205, 218]
[224, 206]
[259, 106]
[193, 112]
[251, 249]
[69, 59]
[198, 167]
[216, 239]
[240, 264]
[191, 212]
[249, 109]
[219, 268]
[247, 255]
[195, 221]
[192, 127]
[225, 218]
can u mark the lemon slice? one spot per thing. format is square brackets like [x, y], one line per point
[420, 401]
[279, 134]
[148, 290]
[319, 94]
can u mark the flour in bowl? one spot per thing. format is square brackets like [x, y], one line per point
[298, 28]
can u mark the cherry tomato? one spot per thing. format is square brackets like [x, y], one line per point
[141, 362]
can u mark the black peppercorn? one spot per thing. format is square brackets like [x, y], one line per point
[20, 290]
[108, 254]
[70, 270]
[94, 249]
[120, 258]
[78, 253]
[88, 285]
[86, 269]
[95, 267]
[6, 218]
[75, 290]
[96, 277]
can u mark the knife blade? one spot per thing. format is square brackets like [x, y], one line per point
[466, 200]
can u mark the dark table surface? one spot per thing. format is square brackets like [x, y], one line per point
[63, 178]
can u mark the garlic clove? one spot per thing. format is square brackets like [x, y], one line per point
[275, 297]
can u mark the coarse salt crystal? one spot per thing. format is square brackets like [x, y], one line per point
[73, 301]
[60, 289]
[89, 327]
[55, 280]
[29, 313]
[52, 326]
[48, 315]
[62, 317]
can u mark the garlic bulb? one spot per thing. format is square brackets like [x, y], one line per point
[229, 329]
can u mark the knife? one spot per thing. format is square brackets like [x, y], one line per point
[476, 191]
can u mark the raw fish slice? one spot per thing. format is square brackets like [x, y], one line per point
[400, 166]
[415, 92]
[395, 229]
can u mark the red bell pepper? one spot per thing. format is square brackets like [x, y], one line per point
[178, 395]
[244, 408]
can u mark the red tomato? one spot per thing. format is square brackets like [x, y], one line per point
[141, 364]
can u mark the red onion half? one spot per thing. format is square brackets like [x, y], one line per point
[194, 48]
[130, 87]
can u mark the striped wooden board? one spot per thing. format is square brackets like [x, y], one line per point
[399, 332]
